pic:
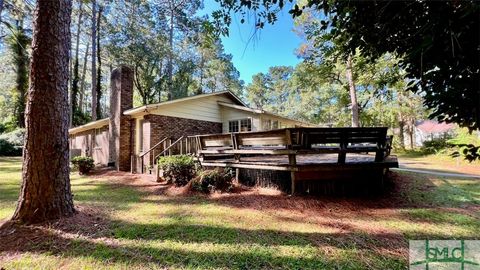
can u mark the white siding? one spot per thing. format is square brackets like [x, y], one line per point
[204, 109]
[229, 114]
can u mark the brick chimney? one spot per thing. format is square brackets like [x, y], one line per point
[121, 99]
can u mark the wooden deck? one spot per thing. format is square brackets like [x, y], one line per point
[306, 153]
[281, 162]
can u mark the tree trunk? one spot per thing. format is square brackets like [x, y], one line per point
[45, 192]
[94, 59]
[202, 66]
[99, 68]
[411, 133]
[170, 55]
[74, 93]
[401, 135]
[84, 73]
[353, 93]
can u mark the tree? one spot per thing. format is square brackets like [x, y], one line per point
[179, 14]
[98, 83]
[94, 59]
[438, 42]
[75, 110]
[45, 192]
[18, 42]
[353, 93]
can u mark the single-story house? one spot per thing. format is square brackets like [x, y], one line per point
[427, 130]
[129, 132]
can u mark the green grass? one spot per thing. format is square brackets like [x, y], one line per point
[142, 228]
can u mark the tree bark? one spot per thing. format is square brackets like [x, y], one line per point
[353, 93]
[94, 59]
[45, 192]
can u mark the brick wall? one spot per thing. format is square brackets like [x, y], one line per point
[175, 127]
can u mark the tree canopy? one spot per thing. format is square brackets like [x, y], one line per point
[437, 42]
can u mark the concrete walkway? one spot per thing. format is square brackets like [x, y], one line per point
[435, 173]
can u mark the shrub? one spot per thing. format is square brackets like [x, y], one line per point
[435, 145]
[210, 180]
[9, 149]
[178, 170]
[83, 164]
[15, 137]
[12, 143]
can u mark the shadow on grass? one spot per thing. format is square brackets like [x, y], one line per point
[9, 193]
[219, 247]
[147, 245]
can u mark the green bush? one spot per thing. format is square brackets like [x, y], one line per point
[178, 170]
[210, 180]
[11, 143]
[83, 164]
[435, 145]
[8, 126]
[9, 149]
[15, 137]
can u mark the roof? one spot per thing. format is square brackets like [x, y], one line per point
[146, 108]
[94, 124]
[244, 108]
[431, 126]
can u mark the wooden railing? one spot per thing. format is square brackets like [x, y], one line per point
[228, 149]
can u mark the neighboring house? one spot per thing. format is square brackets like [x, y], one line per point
[427, 130]
[131, 131]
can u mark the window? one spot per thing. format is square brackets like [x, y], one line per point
[233, 126]
[241, 125]
[246, 125]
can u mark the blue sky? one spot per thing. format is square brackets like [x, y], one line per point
[272, 46]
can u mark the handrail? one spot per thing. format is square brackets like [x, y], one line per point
[168, 148]
[148, 151]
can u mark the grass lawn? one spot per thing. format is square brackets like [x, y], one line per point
[438, 162]
[130, 222]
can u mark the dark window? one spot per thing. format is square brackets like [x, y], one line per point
[233, 126]
[246, 125]
[241, 125]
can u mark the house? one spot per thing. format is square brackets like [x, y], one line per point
[427, 130]
[129, 132]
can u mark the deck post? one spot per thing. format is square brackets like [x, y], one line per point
[293, 164]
